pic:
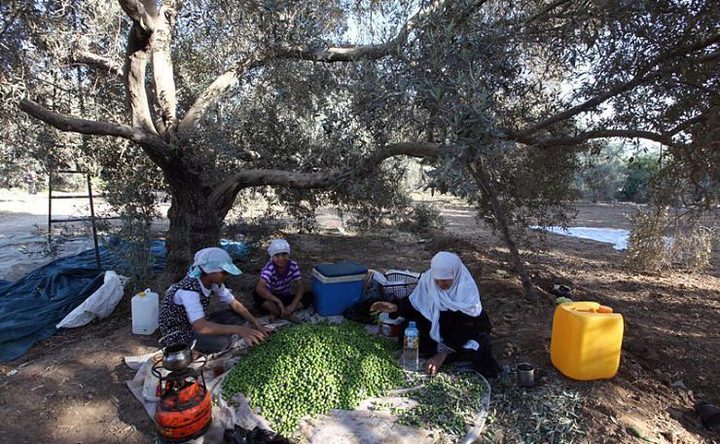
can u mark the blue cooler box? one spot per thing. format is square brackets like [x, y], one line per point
[337, 286]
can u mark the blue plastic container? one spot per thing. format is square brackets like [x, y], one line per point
[337, 287]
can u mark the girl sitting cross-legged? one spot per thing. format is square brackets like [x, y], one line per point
[280, 290]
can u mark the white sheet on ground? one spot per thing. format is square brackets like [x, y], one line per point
[615, 236]
[144, 384]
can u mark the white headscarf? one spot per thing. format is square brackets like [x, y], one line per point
[278, 246]
[463, 295]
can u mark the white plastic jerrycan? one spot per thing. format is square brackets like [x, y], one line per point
[145, 307]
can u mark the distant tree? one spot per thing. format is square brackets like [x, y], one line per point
[601, 175]
[641, 171]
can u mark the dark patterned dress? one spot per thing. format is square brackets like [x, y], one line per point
[174, 324]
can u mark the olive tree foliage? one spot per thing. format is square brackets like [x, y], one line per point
[45, 52]
[23, 144]
[500, 96]
[515, 90]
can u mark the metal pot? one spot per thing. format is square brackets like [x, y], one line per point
[177, 357]
[525, 374]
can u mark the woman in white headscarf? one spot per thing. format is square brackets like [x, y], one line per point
[447, 310]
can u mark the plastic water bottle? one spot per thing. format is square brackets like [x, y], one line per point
[144, 308]
[411, 348]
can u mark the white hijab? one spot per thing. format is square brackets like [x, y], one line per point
[462, 296]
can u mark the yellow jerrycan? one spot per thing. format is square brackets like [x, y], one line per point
[586, 340]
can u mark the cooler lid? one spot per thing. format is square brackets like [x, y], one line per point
[341, 269]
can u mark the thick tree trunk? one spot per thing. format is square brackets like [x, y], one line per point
[162, 67]
[504, 227]
[195, 223]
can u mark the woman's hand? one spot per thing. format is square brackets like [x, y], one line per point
[384, 307]
[262, 329]
[252, 336]
[433, 364]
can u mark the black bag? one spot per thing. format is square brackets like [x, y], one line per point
[257, 435]
[360, 312]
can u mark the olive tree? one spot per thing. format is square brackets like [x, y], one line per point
[499, 96]
[223, 96]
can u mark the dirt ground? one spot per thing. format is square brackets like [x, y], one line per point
[70, 388]
[671, 340]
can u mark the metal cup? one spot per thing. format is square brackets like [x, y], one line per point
[525, 375]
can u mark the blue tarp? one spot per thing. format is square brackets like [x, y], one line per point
[31, 307]
[4, 285]
[236, 250]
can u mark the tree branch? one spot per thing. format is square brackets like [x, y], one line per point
[231, 77]
[97, 61]
[665, 137]
[142, 12]
[220, 86]
[300, 180]
[135, 68]
[692, 121]
[711, 57]
[644, 75]
[216, 90]
[164, 80]
[687, 49]
[154, 145]
[334, 53]
[588, 104]
[477, 170]
[545, 10]
[351, 53]
[596, 134]
[11, 19]
[412, 149]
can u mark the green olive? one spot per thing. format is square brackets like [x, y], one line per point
[309, 369]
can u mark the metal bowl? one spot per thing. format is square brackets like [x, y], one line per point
[177, 357]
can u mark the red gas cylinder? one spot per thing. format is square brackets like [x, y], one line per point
[184, 411]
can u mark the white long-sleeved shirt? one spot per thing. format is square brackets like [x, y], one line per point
[191, 299]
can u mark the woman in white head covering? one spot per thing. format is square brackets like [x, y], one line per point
[183, 317]
[447, 310]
